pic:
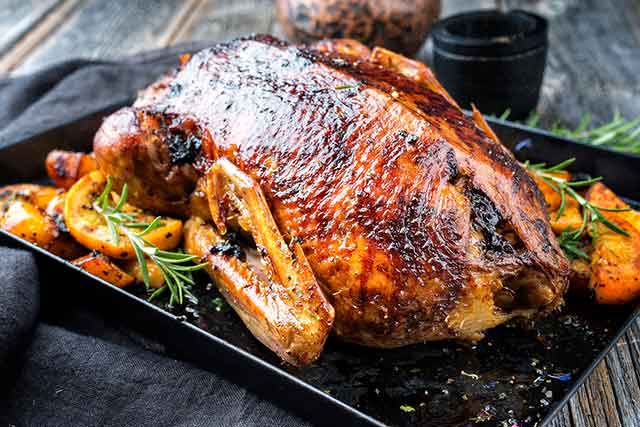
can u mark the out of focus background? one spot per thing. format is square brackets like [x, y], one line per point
[593, 62]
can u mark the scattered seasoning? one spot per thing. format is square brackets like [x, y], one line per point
[407, 408]
[219, 303]
[409, 138]
[344, 87]
[561, 377]
[486, 414]
[192, 311]
[472, 376]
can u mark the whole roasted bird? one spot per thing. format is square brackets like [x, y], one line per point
[366, 193]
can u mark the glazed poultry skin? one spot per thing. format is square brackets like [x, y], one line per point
[416, 222]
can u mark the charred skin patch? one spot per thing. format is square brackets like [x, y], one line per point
[183, 148]
[230, 246]
[182, 135]
[488, 221]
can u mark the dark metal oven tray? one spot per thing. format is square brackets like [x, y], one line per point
[521, 373]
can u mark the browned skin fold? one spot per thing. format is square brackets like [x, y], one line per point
[411, 216]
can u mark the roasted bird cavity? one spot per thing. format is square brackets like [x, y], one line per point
[373, 206]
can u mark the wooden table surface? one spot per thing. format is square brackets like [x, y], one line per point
[593, 67]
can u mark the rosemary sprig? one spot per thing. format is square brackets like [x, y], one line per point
[571, 245]
[619, 133]
[176, 267]
[569, 239]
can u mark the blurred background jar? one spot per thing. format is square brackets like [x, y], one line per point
[399, 25]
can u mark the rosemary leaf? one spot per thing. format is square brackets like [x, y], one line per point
[173, 265]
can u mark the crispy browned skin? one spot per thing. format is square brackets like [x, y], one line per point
[411, 217]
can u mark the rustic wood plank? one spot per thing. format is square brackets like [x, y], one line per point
[19, 16]
[580, 410]
[625, 383]
[219, 20]
[107, 29]
[563, 419]
[182, 19]
[633, 341]
[23, 47]
[594, 405]
[593, 62]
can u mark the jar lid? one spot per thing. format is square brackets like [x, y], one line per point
[490, 33]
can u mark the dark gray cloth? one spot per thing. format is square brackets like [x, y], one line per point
[62, 364]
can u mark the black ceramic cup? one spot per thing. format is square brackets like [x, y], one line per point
[493, 59]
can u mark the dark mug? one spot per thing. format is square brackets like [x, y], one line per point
[492, 59]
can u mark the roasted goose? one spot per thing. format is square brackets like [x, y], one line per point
[366, 193]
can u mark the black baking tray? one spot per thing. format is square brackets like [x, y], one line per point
[522, 373]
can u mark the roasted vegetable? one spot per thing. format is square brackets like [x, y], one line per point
[569, 217]
[615, 261]
[156, 278]
[89, 227]
[66, 167]
[28, 222]
[551, 195]
[23, 212]
[38, 195]
[102, 267]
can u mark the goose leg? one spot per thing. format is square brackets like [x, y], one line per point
[273, 289]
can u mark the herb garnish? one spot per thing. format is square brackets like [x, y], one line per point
[176, 267]
[407, 408]
[569, 242]
[219, 304]
[569, 239]
[619, 133]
